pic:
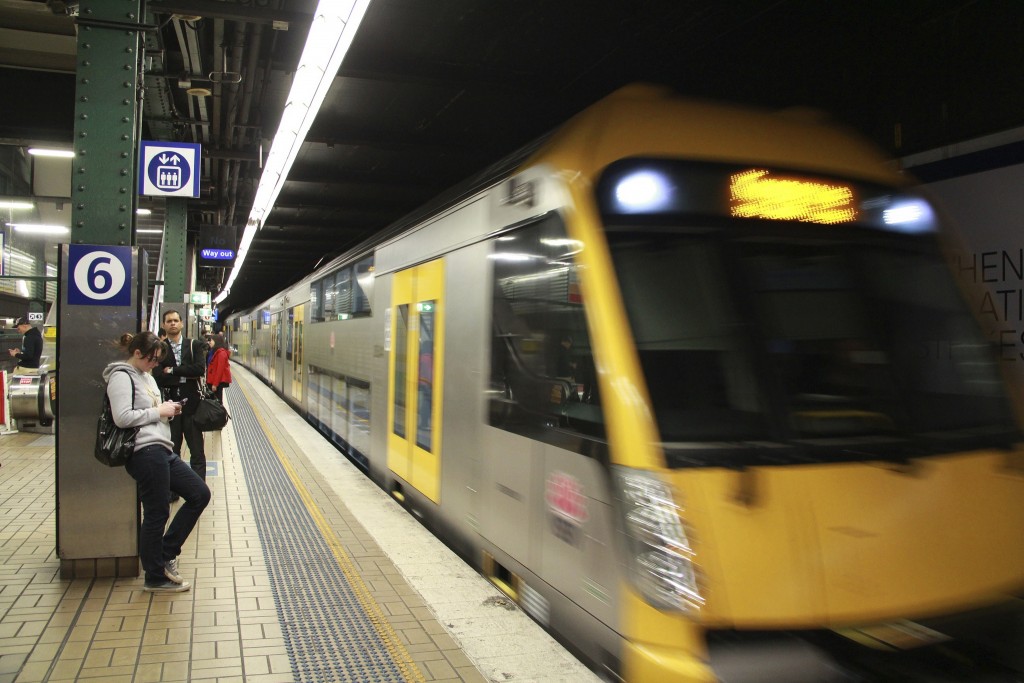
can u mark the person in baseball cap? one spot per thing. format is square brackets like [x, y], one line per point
[31, 348]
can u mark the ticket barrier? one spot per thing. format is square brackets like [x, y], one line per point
[31, 399]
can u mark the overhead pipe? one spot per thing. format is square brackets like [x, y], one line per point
[237, 133]
[239, 41]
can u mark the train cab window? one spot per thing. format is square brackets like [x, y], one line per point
[689, 338]
[851, 333]
[543, 381]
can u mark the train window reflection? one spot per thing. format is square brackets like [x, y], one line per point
[543, 381]
[343, 294]
[687, 330]
[339, 407]
[801, 338]
[849, 330]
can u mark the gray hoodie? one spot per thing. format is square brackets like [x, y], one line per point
[153, 429]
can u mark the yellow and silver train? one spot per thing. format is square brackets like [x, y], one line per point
[666, 378]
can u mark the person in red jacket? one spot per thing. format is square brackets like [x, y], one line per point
[218, 372]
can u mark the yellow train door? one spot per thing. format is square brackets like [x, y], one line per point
[415, 369]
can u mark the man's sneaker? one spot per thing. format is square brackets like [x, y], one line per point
[167, 587]
[171, 571]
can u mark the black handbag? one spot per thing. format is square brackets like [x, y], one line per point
[114, 445]
[210, 415]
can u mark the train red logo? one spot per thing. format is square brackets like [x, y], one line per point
[565, 497]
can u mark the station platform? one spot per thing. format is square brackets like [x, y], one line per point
[302, 570]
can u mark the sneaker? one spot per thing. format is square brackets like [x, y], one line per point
[167, 587]
[171, 571]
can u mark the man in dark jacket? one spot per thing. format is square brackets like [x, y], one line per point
[178, 375]
[31, 348]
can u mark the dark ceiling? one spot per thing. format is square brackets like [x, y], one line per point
[434, 90]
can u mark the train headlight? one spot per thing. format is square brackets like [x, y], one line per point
[660, 555]
[910, 215]
[643, 191]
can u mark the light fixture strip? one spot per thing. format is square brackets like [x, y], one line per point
[331, 34]
[40, 228]
[16, 204]
[45, 152]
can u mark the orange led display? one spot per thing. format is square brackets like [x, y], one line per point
[756, 194]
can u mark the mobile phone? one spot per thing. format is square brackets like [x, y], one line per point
[183, 401]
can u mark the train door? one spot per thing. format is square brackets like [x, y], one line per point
[297, 378]
[271, 353]
[415, 372]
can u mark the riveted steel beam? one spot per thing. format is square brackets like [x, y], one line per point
[106, 122]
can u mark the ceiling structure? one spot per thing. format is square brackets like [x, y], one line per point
[433, 91]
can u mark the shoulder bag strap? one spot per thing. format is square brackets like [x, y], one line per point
[133, 385]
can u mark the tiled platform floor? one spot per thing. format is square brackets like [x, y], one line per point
[453, 624]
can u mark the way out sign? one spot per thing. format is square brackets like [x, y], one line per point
[169, 169]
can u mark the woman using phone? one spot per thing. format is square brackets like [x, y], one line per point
[135, 402]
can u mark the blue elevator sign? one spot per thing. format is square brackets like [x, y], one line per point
[169, 169]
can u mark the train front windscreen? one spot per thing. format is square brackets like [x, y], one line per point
[811, 327]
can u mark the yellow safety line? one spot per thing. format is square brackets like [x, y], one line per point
[387, 634]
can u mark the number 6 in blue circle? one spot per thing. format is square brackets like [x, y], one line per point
[99, 275]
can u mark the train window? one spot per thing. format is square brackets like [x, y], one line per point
[543, 382]
[688, 334]
[362, 287]
[425, 376]
[313, 399]
[399, 337]
[329, 297]
[339, 407]
[359, 419]
[316, 302]
[339, 411]
[343, 293]
[851, 332]
[289, 344]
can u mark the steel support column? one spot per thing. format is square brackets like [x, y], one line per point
[175, 249]
[96, 539]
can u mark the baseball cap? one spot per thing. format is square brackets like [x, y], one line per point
[22, 321]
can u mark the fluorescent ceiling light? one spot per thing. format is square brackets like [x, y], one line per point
[143, 212]
[330, 35]
[43, 152]
[41, 229]
[150, 231]
[15, 204]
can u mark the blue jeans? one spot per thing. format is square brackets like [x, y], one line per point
[157, 470]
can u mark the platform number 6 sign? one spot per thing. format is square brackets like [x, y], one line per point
[99, 275]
